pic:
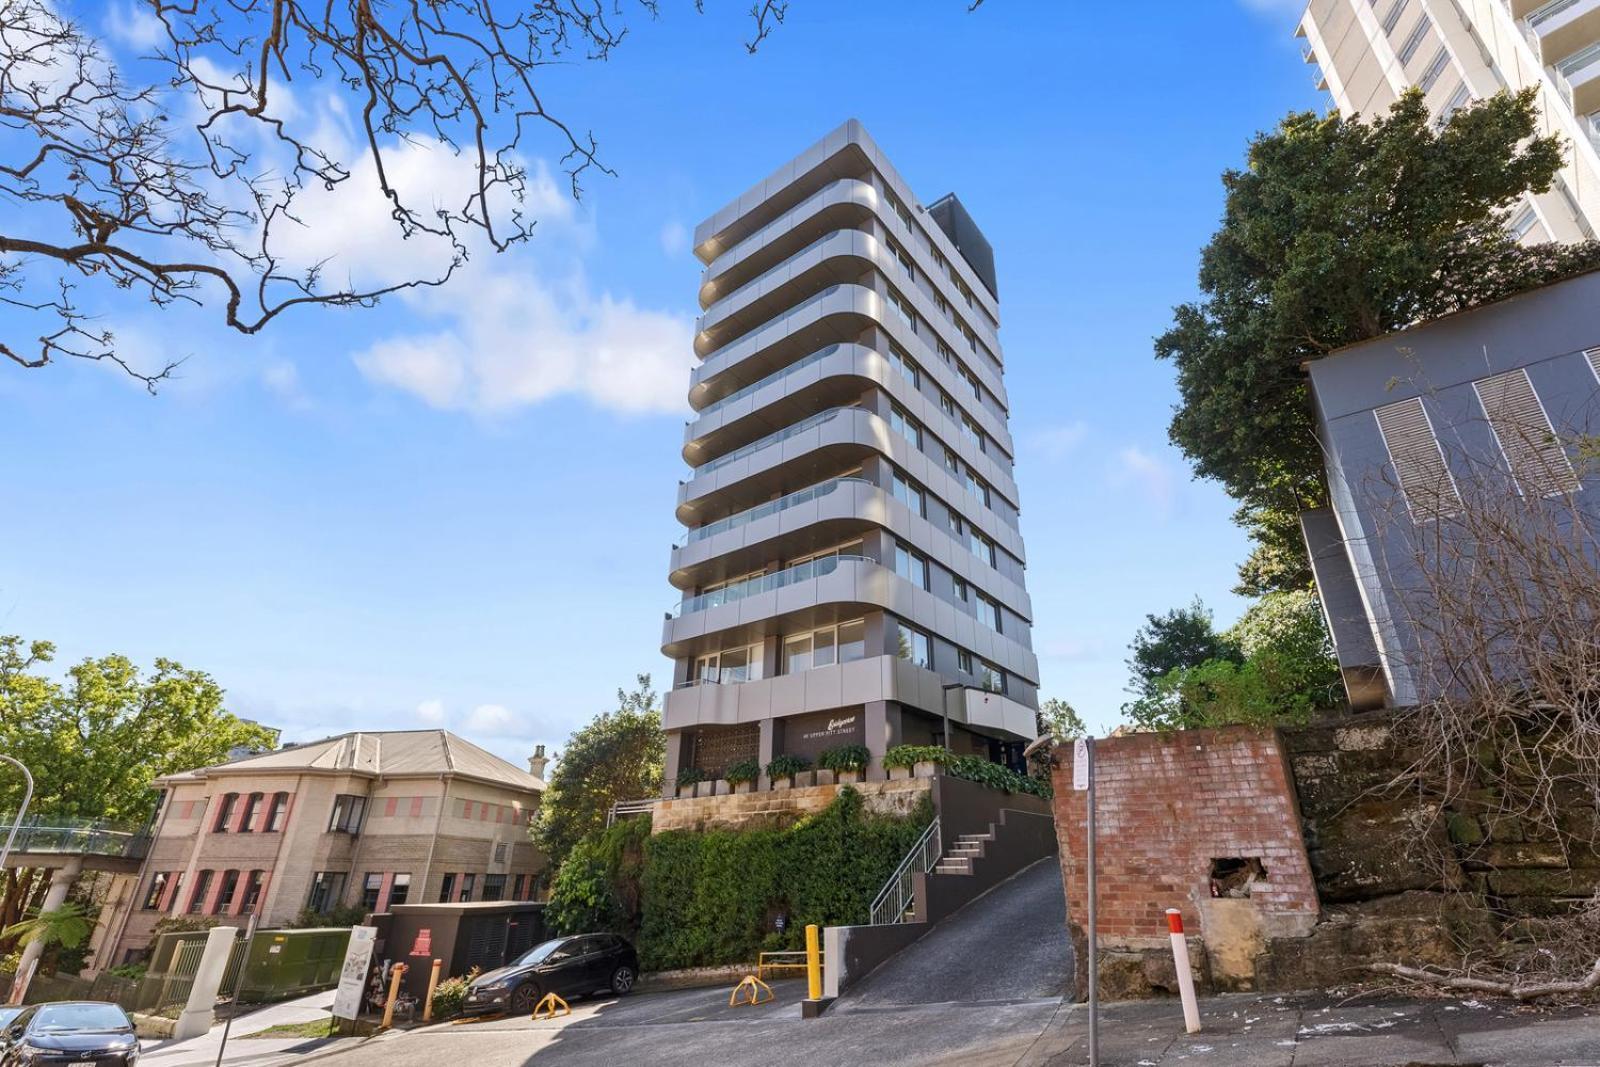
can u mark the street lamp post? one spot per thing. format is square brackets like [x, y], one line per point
[27, 798]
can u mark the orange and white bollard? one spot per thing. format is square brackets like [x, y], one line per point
[1180, 959]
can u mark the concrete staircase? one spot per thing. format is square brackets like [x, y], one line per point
[967, 849]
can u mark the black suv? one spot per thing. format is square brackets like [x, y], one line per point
[567, 966]
[74, 1032]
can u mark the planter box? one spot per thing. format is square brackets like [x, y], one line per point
[850, 777]
[824, 777]
[705, 789]
[899, 774]
[926, 768]
[722, 787]
[743, 787]
[783, 783]
[685, 792]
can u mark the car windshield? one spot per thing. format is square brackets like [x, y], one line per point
[59, 1017]
[541, 952]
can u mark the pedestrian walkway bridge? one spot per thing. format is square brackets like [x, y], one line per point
[52, 841]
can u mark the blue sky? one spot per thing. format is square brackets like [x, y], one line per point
[456, 509]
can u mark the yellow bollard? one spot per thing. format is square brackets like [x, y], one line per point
[814, 961]
[433, 983]
[398, 971]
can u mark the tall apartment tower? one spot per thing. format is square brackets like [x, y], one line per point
[852, 571]
[1370, 51]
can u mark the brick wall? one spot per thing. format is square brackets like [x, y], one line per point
[1167, 805]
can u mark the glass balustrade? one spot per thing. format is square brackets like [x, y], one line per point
[766, 583]
[761, 511]
[771, 439]
[775, 376]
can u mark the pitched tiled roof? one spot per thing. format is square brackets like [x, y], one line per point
[391, 753]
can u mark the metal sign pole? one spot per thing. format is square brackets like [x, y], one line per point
[1087, 752]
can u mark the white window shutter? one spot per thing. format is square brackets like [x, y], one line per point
[1533, 452]
[1419, 462]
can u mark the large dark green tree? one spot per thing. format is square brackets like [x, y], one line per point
[1339, 230]
[617, 756]
[1182, 638]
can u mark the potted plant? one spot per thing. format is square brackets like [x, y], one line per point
[742, 775]
[902, 761]
[688, 778]
[784, 769]
[848, 762]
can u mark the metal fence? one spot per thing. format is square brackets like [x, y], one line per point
[894, 901]
[79, 837]
[154, 994]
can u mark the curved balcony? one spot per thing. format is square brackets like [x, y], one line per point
[847, 150]
[845, 587]
[838, 258]
[826, 514]
[731, 594]
[830, 441]
[838, 314]
[834, 377]
[839, 205]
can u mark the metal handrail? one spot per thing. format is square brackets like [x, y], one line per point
[771, 439]
[766, 583]
[1544, 14]
[895, 898]
[69, 836]
[622, 809]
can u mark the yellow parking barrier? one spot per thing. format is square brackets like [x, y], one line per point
[751, 987]
[550, 1007]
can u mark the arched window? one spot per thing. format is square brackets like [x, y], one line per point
[252, 892]
[225, 892]
[225, 811]
[280, 810]
[252, 812]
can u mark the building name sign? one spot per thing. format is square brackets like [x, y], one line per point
[835, 728]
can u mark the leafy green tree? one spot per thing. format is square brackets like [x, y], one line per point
[1058, 717]
[97, 741]
[617, 756]
[1339, 230]
[66, 926]
[1180, 639]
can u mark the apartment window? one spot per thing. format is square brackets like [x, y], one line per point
[399, 889]
[963, 590]
[252, 892]
[252, 812]
[981, 546]
[468, 883]
[1418, 460]
[1392, 19]
[327, 887]
[952, 462]
[903, 259]
[494, 887]
[730, 666]
[202, 886]
[979, 488]
[1435, 70]
[911, 566]
[907, 366]
[946, 353]
[963, 661]
[910, 494]
[225, 810]
[519, 890]
[1458, 100]
[906, 426]
[970, 337]
[280, 809]
[225, 892]
[972, 432]
[158, 889]
[844, 643]
[972, 382]
[1523, 222]
[946, 404]
[990, 677]
[347, 812]
[1534, 454]
[989, 613]
[371, 889]
[447, 889]
[903, 308]
[916, 647]
[1415, 38]
[899, 209]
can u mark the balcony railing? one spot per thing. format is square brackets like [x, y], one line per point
[761, 511]
[775, 376]
[771, 439]
[766, 583]
[1574, 63]
[790, 312]
[77, 837]
[1540, 16]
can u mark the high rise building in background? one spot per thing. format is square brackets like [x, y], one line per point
[852, 571]
[1456, 51]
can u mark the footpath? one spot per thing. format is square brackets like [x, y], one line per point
[1316, 1030]
[255, 1051]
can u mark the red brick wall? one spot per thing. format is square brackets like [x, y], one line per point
[1168, 804]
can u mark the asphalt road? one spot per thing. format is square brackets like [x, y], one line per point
[1009, 945]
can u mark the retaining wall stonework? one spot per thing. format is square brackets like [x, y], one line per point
[769, 807]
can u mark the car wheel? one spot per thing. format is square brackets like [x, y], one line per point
[524, 998]
[622, 980]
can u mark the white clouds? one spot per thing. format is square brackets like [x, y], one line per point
[282, 379]
[132, 24]
[431, 712]
[674, 239]
[1148, 475]
[493, 720]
